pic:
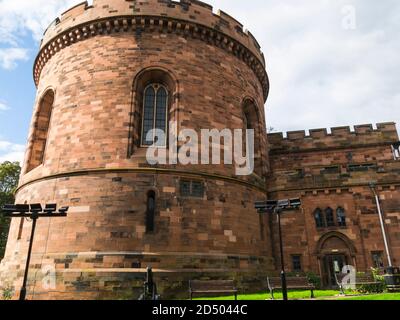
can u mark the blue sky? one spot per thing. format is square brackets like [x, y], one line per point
[17, 94]
[330, 62]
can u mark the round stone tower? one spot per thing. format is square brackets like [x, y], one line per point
[107, 73]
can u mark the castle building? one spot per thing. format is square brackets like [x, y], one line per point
[108, 73]
[337, 176]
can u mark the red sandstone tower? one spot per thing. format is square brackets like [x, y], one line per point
[99, 71]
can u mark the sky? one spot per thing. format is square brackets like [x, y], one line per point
[330, 62]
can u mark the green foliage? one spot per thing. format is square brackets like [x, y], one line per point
[9, 175]
[314, 279]
[4, 228]
[377, 275]
[7, 293]
[372, 288]
[378, 287]
[311, 276]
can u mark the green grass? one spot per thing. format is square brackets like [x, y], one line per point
[295, 295]
[383, 296]
[300, 295]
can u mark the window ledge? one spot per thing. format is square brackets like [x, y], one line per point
[332, 228]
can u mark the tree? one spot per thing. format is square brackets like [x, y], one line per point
[9, 175]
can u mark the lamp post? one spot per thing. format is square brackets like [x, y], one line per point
[278, 207]
[34, 212]
[150, 287]
[382, 222]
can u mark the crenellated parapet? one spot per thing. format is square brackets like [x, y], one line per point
[340, 137]
[188, 18]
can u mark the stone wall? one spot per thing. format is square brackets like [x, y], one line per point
[335, 171]
[91, 59]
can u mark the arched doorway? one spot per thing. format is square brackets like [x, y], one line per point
[334, 251]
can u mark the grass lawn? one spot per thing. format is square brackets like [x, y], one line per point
[299, 295]
[384, 296]
[278, 295]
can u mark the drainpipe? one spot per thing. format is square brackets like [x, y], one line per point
[378, 204]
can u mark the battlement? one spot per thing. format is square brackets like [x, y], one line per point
[340, 137]
[186, 17]
[187, 10]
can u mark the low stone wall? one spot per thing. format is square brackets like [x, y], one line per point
[102, 276]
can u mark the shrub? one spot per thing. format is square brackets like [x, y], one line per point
[372, 288]
[378, 287]
[312, 277]
[377, 276]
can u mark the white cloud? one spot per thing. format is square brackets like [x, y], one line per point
[321, 74]
[4, 107]
[10, 56]
[11, 152]
[20, 18]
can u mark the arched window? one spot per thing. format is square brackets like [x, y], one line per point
[247, 121]
[247, 126]
[341, 217]
[330, 219]
[40, 132]
[150, 212]
[251, 121]
[155, 106]
[319, 218]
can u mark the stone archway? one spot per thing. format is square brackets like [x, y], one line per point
[334, 251]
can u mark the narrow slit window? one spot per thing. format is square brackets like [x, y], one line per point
[150, 212]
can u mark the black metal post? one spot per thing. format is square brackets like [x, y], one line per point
[32, 211]
[278, 207]
[283, 274]
[149, 287]
[22, 295]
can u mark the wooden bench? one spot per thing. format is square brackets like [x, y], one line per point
[212, 287]
[367, 279]
[293, 283]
